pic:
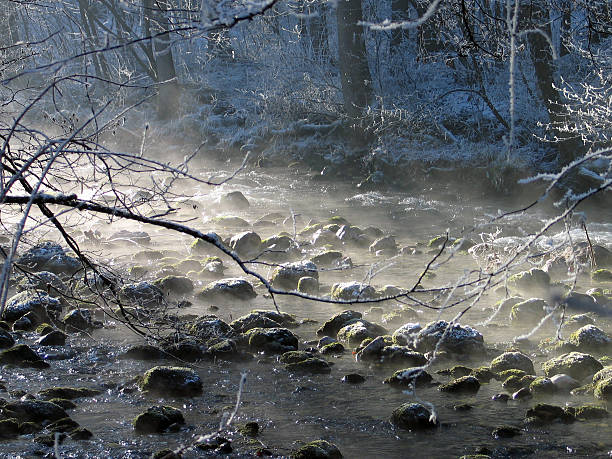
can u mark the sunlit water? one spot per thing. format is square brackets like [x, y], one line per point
[293, 409]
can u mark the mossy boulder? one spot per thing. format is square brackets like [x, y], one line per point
[549, 413]
[453, 338]
[229, 221]
[295, 356]
[313, 365]
[263, 319]
[49, 256]
[591, 338]
[287, 276]
[603, 389]
[384, 245]
[234, 200]
[210, 326]
[143, 294]
[575, 364]
[246, 244]
[602, 275]
[6, 339]
[463, 385]
[37, 302]
[318, 449]
[177, 285]
[512, 360]
[22, 355]
[142, 352]
[78, 320]
[406, 334]
[529, 312]
[533, 282]
[44, 281]
[353, 291]
[355, 332]
[157, 419]
[483, 374]
[542, 387]
[272, 340]
[413, 416]
[9, 428]
[416, 377]
[36, 411]
[227, 290]
[53, 338]
[171, 381]
[308, 285]
[332, 348]
[68, 393]
[505, 432]
[328, 259]
[332, 326]
[589, 412]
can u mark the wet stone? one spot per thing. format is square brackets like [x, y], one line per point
[564, 383]
[409, 377]
[37, 302]
[22, 355]
[542, 387]
[34, 411]
[591, 338]
[333, 325]
[512, 360]
[353, 291]
[353, 378]
[9, 428]
[458, 339]
[53, 338]
[575, 364]
[234, 200]
[68, 393]
[354, 333]
[142, 352]
[311, 366]
[463, 385]
[506, 432]
[78, 320]
[272, 340]
[171, 381]
[522, 394]
[549, 413]
[287, 276]
[178, 285]
[319, 449]
[413, 416]
[227, 290]
[332, 348]
[158, 419]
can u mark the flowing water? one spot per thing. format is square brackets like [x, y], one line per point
[292, 409]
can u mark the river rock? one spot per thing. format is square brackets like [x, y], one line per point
[463, 385]
[178, 285]
[22, 355]
[210, 326]
[77, 320]
[575, 364]
[229, 221]
[45, 281]
[318, 449]
[227, 290]
[332, 348]
[333, 325]
[26, 322]
[529, 312]
[384, 246]
[354, 333]
[406, 334]
[212, 268]
[36, 301]
[68, 393]
[171, 381]
[542, 387]
[409, 377]
[157, 419]
[513, 359]
[533, 282]
[287, 276]
[413, 416]
[49, 256]
[142, 352]
[602, 275]
[6, 339]
[353, 291]
[589, 412]
[53, 338]
[311, 365]
[272, 340]
[246, 244]
[591, 338]
[564, 383]
[353, 235]
[379, 351]
[295, 356]
[9, 428]
[328, 259]
[263, 319]
[143, 294]
[548, 413]
[458, 339]
[234, 200]
[36, 411]
[308, 285]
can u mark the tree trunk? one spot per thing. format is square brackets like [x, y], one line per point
[566, 26]
[353, 62]
[167, 99]
[400, 11]
[541, 55]
[428, 32]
